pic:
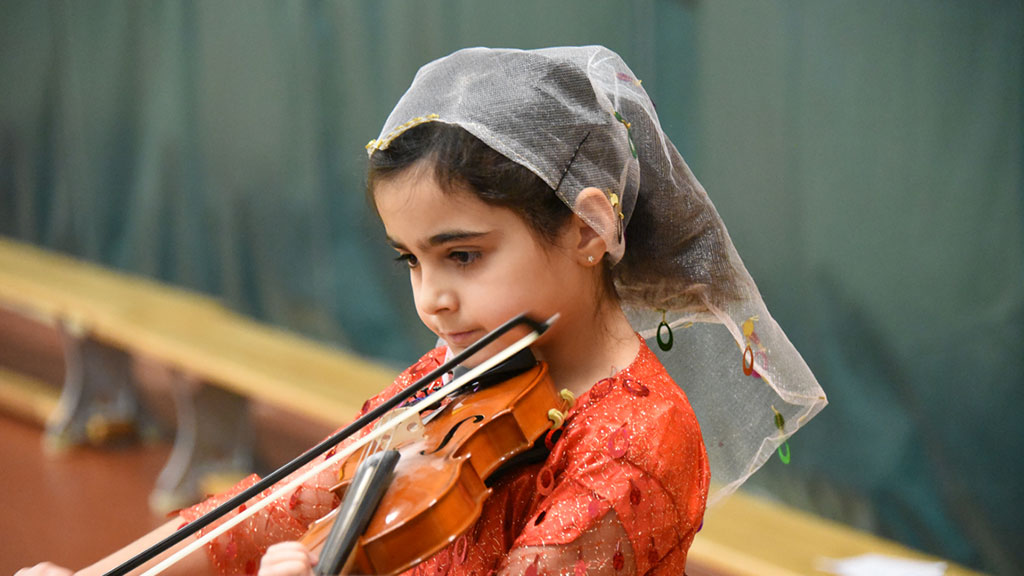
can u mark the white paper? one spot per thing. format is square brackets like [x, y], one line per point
[879, 565]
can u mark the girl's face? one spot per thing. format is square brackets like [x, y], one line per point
[472, 265]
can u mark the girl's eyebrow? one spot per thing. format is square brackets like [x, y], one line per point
[443, 238]
[453, 236]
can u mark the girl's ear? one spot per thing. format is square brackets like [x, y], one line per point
[594, 213]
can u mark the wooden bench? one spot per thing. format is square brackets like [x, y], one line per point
[25, 396]
[219, 359]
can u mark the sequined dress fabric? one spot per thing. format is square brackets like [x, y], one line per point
[622, 491]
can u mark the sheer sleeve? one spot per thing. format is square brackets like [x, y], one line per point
[603, 550]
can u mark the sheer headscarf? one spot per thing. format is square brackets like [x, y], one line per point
[578, 117]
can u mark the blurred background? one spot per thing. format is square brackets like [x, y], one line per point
[866, 157]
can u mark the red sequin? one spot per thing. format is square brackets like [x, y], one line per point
[531, 570]
[545, 481]
[295, 499]
[652, 553]
[600, 389]
[635, 496]
[635, 388]
[423, 367]
[551, 438]
[618, 443]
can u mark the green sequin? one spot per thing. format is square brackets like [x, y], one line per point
[629, 133]
[784, 456]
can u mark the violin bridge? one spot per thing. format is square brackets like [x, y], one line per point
[407, 432]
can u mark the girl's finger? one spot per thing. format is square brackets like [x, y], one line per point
[44, 569]
[287, 559]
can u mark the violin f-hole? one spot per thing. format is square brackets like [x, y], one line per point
[451, 433]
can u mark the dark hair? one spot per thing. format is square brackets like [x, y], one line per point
[460, 159]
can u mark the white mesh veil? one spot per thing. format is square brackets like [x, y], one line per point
[578, 117]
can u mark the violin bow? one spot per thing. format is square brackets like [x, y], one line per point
[536, 330]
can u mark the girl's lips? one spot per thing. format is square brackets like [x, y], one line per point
[462, 339]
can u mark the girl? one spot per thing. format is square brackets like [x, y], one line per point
[541, 182]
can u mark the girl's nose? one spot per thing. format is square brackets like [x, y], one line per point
[435, 295]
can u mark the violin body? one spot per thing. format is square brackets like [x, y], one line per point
[438, 489]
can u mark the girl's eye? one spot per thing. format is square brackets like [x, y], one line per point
[464, 258]
[409, 260]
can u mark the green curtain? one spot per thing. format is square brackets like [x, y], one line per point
[865, 156]
[219, 145]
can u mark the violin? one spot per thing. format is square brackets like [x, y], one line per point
[438, 461]
[438, 485]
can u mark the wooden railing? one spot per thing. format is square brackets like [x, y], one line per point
[220, 361]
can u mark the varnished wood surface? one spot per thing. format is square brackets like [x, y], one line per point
[750, 536]
[26, 397]
[73, 507]
[188, 332]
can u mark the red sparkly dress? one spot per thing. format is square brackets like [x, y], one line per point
[622, 492]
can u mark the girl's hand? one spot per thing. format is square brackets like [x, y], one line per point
[287, 559]
[44, 569]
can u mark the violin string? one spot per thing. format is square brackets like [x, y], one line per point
[374, 435]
